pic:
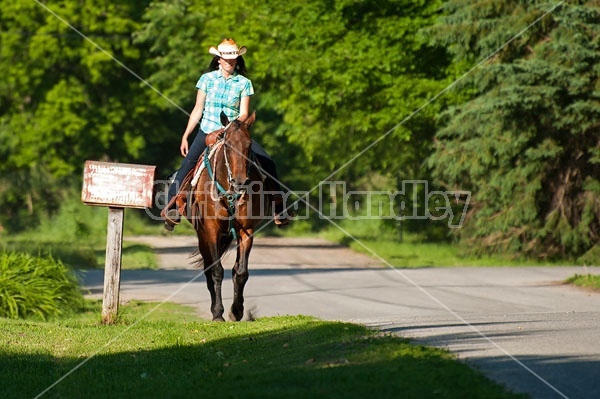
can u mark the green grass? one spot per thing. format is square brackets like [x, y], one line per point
[182, 356]
[37, 286]
[586, 280]
[375, 239]
[77, 237]
[40, 287]
[414, 254]
[81, 254]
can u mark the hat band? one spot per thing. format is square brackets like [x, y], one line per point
[229, 52]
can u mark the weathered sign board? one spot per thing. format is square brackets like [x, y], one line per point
[116, 186]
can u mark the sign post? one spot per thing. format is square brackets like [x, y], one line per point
[112, 265]
[117, 186]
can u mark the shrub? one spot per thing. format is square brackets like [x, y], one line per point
[33, 286]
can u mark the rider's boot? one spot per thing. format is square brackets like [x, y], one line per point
[171, 217]
[281, 216]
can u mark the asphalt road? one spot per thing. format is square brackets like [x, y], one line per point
[521, 326]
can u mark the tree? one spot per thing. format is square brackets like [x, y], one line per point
[348, 72]
[527, 144]
[64, 100]
[330, 78]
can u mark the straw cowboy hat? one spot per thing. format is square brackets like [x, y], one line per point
[228, 49]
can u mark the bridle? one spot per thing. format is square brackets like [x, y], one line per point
[248, 156]
[227, 165]
[232, 195]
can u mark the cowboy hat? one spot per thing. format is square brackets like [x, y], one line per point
[228, 49]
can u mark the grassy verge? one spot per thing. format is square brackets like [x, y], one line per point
[412, 251]
[185, 357]
[586, 280]
[36, 287]
[77, 237]
[81, 254]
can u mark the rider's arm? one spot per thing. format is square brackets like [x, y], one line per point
[195, 117]
[244, 108]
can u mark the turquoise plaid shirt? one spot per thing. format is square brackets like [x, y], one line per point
[222, 95]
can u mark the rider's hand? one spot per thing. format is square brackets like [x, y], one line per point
[184, 147]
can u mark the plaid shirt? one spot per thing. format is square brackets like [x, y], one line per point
[222, 95]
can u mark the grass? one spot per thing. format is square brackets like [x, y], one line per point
[82, 254]
[586, 280]
[375, 239]
[85, 226]
[411, 253]
[171, 353]
[36, 287]
[77, 237]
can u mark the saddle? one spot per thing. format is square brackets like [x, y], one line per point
[190, 181]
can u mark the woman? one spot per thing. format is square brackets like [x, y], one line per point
[227, 88]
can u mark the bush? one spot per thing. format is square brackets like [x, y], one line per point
[33, 286]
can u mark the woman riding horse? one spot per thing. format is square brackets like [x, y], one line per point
[225, 88]
[227, 204]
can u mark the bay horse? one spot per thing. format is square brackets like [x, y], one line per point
[228, 203]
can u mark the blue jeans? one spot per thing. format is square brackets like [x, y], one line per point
[197, 148]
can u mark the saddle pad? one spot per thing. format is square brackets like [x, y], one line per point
[212, 151]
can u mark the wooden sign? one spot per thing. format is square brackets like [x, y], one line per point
[118, 184]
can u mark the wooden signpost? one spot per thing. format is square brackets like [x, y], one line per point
[116, 186]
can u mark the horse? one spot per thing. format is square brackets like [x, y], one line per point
[228, 203]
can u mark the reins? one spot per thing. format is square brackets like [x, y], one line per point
[232, 197]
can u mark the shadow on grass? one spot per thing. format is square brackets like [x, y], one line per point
[330, 360]
[134, 256]
[84, 256]
[73, 256]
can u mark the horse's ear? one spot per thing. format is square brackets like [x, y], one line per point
[250, 120]
[224, 119]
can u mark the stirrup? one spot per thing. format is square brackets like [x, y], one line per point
[171, 217]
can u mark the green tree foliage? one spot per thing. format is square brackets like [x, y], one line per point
[330, 77]
[527, 144]
[63, 98]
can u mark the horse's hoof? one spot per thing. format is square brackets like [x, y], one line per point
[236, 313]
[233, 317]
[218, 318]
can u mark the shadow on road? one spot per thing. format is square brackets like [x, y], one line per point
[541, 376]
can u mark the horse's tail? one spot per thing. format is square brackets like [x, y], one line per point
[198, 261]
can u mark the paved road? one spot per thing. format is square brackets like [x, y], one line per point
[520, 326]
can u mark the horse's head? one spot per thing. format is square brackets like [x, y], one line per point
[237, 143]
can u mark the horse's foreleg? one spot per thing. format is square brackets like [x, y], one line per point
[213, 271]
[217, 307]
[240, 275]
